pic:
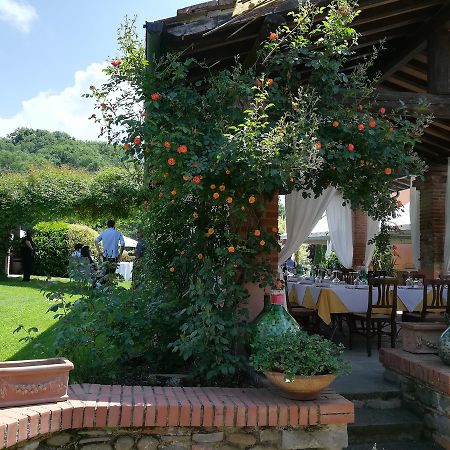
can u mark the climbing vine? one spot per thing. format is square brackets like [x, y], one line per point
[216, 149]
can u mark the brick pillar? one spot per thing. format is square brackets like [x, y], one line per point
[432, 219]
[359, 221]
[270, 220]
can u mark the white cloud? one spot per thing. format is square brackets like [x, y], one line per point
[18, 13]
[62, 111]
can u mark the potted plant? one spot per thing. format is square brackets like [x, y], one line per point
[299, 365]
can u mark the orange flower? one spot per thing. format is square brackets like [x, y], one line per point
[155, 96]
[185, 178]
[258, 83]
[167, 144]
[382, 110]
[372, 124]
[196, 180]
[182, 149]
[171, 161]
[210, 231]
[257, 233]
[216, 195]
[228, 171]
[318, 145]
[231, 249]
[137, 140]
[200, 256]
[229, 200]
[388, 171]
[351, 147]
[221, 187]
[172, 269]
[173, 192]
[272, 36]
[361, 127]
[335, 123]
[252, 199]
[391, 129]
[126, 147]
[274, 230]
[270, 81]
[262, 243]
[213, 186]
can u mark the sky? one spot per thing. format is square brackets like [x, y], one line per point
[53, 50]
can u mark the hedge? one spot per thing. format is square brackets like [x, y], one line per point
[54, 242]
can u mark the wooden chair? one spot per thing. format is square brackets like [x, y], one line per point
[379, 315]
[305, 317]
[414, 276]
[376, 274]
[349, 277]
[437, 309]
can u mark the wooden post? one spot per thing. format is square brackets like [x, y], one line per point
[439, 61]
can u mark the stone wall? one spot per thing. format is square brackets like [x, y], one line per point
[328, 437]
[425, 387]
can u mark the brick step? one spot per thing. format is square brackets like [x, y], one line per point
[384, 425]
[398, 445]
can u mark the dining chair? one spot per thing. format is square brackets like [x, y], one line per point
[376, 274]
[379, 315]
[435, 309]
[305, 317]
[414, 275]
[349, 277]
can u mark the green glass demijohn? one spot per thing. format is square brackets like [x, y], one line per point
[274, 319]
[444, 347]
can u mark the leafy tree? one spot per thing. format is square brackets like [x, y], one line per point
[26, 148]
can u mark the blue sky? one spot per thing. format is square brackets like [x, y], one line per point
[52, 49]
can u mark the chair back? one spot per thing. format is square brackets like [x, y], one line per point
[386, 303]
[413, 275]
[349, 277]
[376, 274]
[439, 296]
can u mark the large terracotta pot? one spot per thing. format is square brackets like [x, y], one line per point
[421, 337]
[34, 381]
[302, 388]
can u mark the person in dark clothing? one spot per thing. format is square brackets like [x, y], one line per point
[27, 255]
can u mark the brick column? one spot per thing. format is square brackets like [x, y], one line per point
[432, 219]
[359, 221]
[269, 221]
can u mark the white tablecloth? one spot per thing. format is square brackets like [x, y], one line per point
[355, 300]
[125, 269]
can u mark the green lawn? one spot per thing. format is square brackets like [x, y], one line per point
[24, 303]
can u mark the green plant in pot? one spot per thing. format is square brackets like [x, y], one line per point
[299, 365]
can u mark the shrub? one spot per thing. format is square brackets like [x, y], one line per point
[54, 242]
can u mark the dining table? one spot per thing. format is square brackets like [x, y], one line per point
[341, 299]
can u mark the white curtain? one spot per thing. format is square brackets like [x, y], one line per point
[446, 267]
[329, 249]
[302, 215]
[414, 218]
[373, 227]
[340, 225]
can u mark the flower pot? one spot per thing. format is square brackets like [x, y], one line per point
[444, 347]
[34, 381]
[302, 388]
[421, 337]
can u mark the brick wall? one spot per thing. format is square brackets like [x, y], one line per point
[359, 220]
[103, 417]
[425, 387]
[432, 219]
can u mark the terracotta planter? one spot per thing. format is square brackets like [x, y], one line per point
[421, 337]
[34, 381]
[302, 388]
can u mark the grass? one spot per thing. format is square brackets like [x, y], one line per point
[25, 304]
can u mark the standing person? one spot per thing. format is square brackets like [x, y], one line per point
[111, 239]
[27, 255]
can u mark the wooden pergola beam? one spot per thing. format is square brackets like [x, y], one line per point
[438, 105]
